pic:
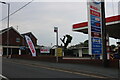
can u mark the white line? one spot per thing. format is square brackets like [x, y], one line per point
[4, 77]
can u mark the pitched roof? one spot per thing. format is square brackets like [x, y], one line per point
[29, 33]
[7, 29]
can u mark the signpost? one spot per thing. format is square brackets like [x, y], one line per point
[60, 53]
[56, 30]
[95, 27]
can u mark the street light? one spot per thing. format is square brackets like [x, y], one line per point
[56, 30]
[7, 24]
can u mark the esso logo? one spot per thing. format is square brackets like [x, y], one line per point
[97, 1]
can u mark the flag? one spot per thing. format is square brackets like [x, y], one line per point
[30, 45]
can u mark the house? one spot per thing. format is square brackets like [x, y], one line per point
[13, 40]
[13, 36]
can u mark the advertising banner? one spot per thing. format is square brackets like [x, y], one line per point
[95, 27]
[30, 45]
[45, 50]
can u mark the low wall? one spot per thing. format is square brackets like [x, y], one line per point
[94, 62]
[40, 58]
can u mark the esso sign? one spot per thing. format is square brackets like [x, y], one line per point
[97, 1]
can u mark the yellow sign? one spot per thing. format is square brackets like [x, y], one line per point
[59, 52]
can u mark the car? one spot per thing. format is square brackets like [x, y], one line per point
[116, 56]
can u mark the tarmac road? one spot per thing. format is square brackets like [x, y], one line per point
[19, 69]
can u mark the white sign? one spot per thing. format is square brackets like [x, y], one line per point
[95, 27]
[45, 50]
[19, 52]
[31, 46]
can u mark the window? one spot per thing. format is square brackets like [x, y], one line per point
[18, 40]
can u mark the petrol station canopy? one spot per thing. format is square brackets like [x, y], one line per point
[112, 27]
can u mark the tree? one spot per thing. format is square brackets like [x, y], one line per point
[68, 39]
[86, 43]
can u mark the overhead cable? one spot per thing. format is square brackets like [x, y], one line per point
[17, 10]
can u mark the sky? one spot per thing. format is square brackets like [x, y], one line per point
[40, 18]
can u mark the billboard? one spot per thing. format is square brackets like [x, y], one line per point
[45, 50]
[95, 27]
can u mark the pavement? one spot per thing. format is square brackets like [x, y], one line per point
[87, 69]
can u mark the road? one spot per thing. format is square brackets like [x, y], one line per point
[19, 69]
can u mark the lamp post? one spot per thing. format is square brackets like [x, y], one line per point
[56, 30]
[7, 24]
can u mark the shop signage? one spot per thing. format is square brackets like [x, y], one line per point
[95, 27]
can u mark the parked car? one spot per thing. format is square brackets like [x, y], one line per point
[116, 56]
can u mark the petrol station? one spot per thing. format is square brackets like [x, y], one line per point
[112, 27]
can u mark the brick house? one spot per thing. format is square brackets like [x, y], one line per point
[15, 40]
[14, 37]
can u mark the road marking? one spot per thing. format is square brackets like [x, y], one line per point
[4, 77]
[61, 70]
[73, 72]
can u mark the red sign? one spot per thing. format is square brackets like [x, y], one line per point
[45, 50]
[97, 24]
[92, 7]
[31, 46]
[95, 34]
[95, 13]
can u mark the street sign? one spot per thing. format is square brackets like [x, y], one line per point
[95, 27]
[60, 53]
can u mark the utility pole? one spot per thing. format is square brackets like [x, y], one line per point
[104, 48]
[7, 25]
